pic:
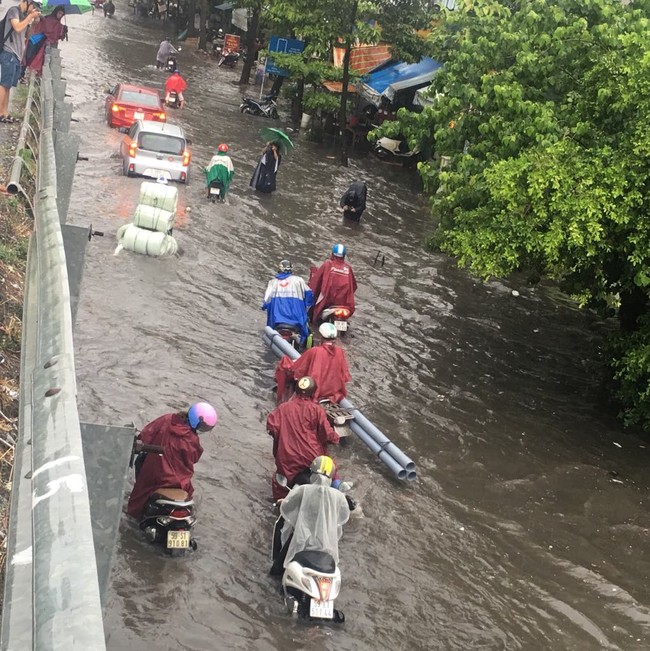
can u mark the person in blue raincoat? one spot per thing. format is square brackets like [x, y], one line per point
[287, 300]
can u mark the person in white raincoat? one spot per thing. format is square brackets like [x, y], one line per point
[314, 515]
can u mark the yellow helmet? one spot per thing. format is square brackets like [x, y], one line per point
[323, 466]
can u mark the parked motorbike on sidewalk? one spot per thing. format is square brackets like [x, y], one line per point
[229, 60]
[266, 107]
[391, 149]
[338, 315]
[168, 517]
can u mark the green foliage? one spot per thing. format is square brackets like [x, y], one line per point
[544, 110]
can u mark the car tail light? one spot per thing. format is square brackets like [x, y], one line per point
[116, 108]
[132, 149]
[131, 167]
[160, 116]
[186, 157]
[324, 588]
[179, 513]
[183, 177]
[342, 312]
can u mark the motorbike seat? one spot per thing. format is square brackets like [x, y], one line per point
[286, 326]
[315, 560]
[174, 494]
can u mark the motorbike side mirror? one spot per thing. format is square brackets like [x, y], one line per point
[281, 480]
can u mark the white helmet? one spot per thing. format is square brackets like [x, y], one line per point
[327, 331]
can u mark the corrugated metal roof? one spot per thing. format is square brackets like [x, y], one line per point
[363, 58]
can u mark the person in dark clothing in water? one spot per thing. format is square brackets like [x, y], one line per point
[353, 202]
[267, 169]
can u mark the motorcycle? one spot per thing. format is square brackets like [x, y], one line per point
[338, 315]
[311, 582]
[216, 191]
[173, 101]
[266, 106]
[168, 517]
[290, 333]
[171, 64]
[109, 9]
[390, 149]
[229, 59]
[339, 418]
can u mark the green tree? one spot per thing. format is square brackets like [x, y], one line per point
[327, 23]
[544, 109]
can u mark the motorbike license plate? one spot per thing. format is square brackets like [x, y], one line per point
[215, 191]
[138, 115]
[341, 326]
[321, 609]
[178, 539]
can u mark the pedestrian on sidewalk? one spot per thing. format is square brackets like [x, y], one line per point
[18, 18]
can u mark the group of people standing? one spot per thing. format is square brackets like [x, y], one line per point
[25, 37]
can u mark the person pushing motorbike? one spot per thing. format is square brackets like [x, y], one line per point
[178, 435]
[165, 50]
[333, 283]
[287, 299]
[326, 363]
[220, 170]
[300, 432]
[353, 202]
[175, 84]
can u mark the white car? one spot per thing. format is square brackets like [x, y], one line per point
[156, 149]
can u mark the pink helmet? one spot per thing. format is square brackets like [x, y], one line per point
[202, 417]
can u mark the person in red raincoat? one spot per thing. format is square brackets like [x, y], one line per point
[326, 363]
[333, 283]
[175, 83]
[300, 432]
[178, 435]
[54, 32]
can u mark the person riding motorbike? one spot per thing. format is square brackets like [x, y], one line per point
[220, 169]
[333, 283]
[109, 8]
[353, 202]
[178, 434]
[313, 517]
[287, 299]
[300, 432]
[165, 50]
[326, 363]
[175, 84]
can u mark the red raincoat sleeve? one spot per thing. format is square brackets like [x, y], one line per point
[325, 431]
[283, 378]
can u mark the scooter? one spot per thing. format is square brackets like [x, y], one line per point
[229, 59]
[266, 106]
[311, 582]
[109, 9]
[339, 418]
[338, 315]
[290, 333]
[216, 192]
[171, 63]
[173, 101]
[389, 148]
[168, 517]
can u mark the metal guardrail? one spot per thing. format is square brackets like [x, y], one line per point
[52, 594]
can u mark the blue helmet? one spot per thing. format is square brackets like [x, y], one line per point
[339, 250]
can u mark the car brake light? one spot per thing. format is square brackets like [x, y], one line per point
[186, 157]
[342, 312]
[161, 116]
[132, 149]
[179, 513]
[324, 588]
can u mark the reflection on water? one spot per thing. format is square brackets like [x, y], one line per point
[527, 527]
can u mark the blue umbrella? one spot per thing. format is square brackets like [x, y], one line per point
[69, 6]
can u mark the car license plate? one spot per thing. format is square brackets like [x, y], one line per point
[178, 539]
[321, 609]
[138, 115]
[156, 174]
[341, 326]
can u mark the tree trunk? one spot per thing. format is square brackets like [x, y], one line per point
[634, 303]
[203, 25]
[343, 108]
[296, 109]
[277, 85]
[253, 33]
[191, 10]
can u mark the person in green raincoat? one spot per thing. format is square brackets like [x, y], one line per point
[220, 169]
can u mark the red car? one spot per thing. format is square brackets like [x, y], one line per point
[127, 103]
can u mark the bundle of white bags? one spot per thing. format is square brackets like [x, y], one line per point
[150, 232]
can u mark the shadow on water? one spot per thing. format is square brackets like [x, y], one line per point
[527, 527]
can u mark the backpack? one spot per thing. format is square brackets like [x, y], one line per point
[3, 27]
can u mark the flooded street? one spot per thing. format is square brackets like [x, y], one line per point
[527, 527]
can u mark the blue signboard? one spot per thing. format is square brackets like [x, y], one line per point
[285, 46]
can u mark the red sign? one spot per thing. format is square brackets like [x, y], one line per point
[231, 43]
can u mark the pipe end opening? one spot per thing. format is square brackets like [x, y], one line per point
[411, 475]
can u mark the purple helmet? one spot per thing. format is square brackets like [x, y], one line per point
[202, 417]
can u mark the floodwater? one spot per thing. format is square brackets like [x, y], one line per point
[527, 527]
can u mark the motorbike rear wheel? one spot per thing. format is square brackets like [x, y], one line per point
[246, 109]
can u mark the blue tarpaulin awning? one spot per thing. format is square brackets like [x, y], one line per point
[398, 76]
